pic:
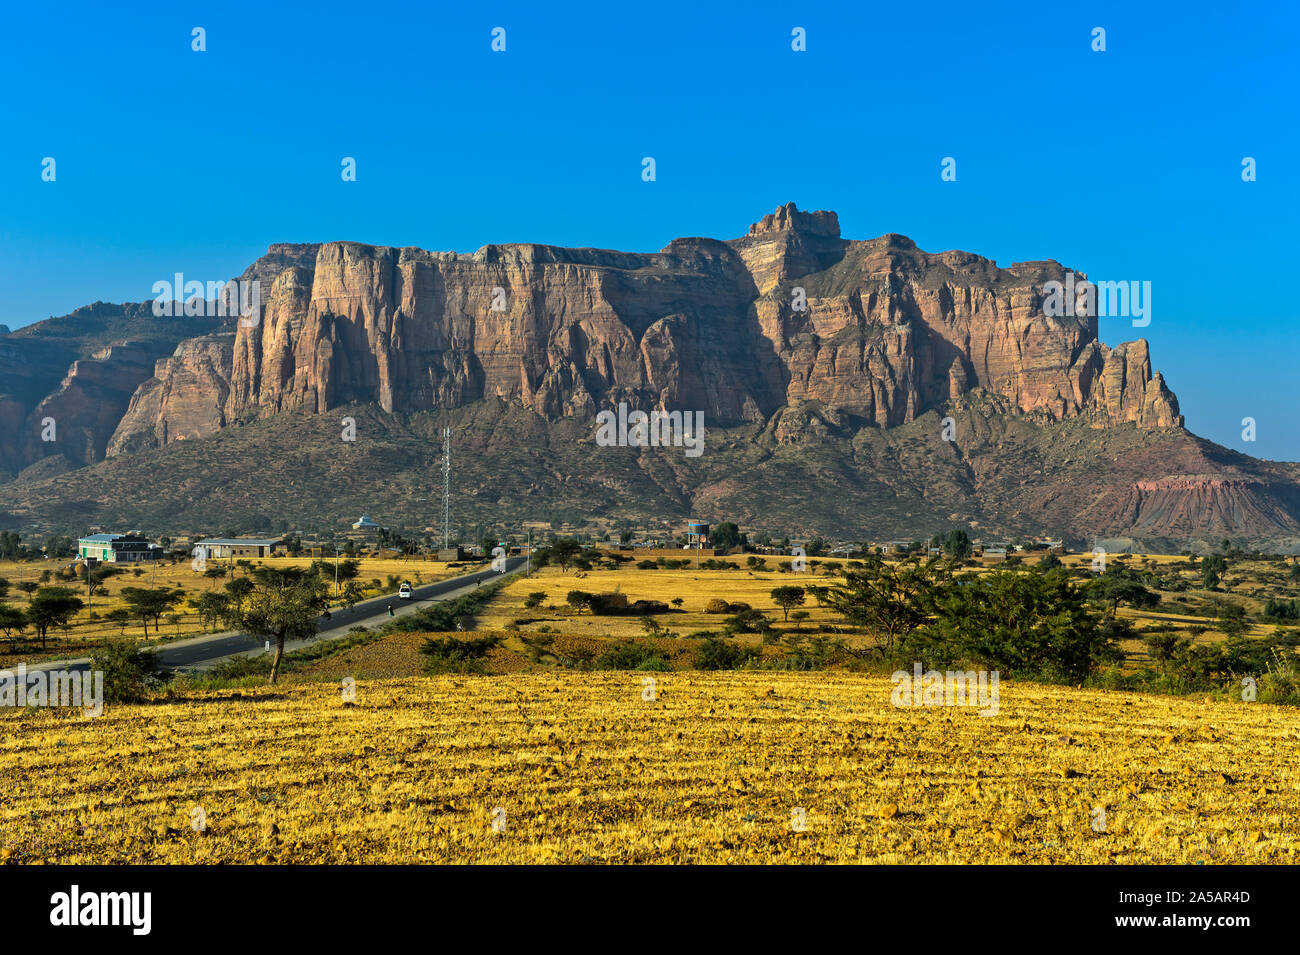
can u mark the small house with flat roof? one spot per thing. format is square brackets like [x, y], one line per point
[222, 547]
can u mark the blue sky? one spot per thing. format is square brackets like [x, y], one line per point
[1124, 164]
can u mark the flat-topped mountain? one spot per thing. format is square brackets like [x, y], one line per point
[788, 336]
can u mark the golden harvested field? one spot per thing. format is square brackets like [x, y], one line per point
[754, 587]
[695, 587]
[84, 634]
[578, 767]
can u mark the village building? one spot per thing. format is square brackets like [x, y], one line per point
[117, 548]
[219, 548]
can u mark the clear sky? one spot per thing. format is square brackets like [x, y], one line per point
[1124, 164]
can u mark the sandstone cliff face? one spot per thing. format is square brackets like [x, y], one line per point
[184, 399]
[79, 369]
[875, 332]
[88, 405]
[1127, 391]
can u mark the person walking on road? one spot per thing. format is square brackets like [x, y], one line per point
[390, 610]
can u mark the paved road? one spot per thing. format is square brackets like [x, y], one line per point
[202, 653]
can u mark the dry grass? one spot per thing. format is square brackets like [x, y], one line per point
[695, 587]
[583, 768]
[754, 587]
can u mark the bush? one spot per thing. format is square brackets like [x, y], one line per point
[747, 621]
[534, 600]
[1281, 684]
[1027, 624]
[450, 655]
[129, 673]
[578, 599]
[631, 655]
[716, 654]
[241, 667]
[649, 606]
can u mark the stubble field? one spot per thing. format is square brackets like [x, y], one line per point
[585, 767]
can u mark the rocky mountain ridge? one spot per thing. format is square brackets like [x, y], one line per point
[790, 331]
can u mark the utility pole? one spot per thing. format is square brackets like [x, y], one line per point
[446, 487]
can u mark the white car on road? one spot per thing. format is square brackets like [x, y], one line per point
[404, 591]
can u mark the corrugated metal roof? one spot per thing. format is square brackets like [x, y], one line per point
[100, 538]
[241, 541]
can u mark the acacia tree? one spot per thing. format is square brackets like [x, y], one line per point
[1122, 588]
[52, 607]
[211, 607]
[888, 600]
[352, 594]
[788, 597]
[564, 552]
[284, 605]
[150, 603]
[577, 599]
[119, 617]
[12, 621]
[237, 591]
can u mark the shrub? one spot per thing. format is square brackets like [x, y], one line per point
[653, 628]
[747, 621]
[631, 655]
[534, 600]
[241, 667]
[717, 654]
[1017, 623]
[129, 673]
[450, 655]
[1281, 684]
[649, 606]
[578, 599]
